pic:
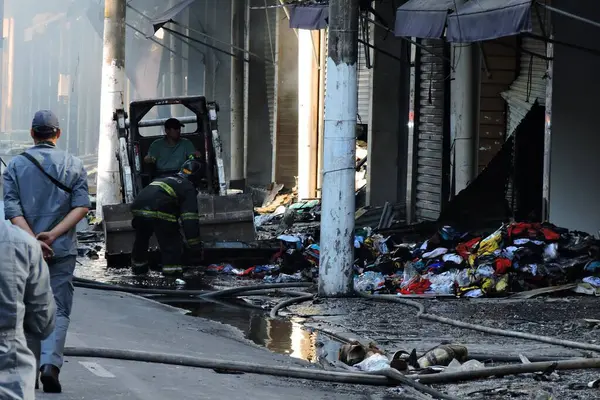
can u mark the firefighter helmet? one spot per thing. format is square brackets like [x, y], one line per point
[193, 170]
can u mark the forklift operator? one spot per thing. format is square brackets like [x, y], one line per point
[170, 152]
[157, 209]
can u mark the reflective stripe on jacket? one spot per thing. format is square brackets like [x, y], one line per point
[170, 199]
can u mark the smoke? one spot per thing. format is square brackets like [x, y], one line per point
[51, 59]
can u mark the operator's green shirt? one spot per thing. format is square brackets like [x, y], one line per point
[170, 157]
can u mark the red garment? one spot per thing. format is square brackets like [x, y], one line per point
[550, 235]
[502, 265]
[248, 271]
[531, 231]
[418, 287]
[464, 249]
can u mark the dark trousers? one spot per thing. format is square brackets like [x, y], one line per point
[168, 237]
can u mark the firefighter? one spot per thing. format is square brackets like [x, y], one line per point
[157, 209]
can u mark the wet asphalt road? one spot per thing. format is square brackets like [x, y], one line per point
[114, 320]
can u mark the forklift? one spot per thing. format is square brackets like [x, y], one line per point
[226, 216]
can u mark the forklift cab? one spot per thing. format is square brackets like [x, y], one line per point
[146, 124]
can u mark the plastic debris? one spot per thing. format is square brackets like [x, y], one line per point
[376, 362]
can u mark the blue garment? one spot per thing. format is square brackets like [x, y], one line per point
[26, 307]
[29, 193]
[50, 350]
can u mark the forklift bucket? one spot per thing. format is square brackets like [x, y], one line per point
[227, 218]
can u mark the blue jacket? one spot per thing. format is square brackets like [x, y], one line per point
[29, 193]
[26, 305]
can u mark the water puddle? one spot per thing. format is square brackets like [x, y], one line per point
[283, 336]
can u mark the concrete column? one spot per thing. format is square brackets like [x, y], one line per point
[341, 103]
[464, 110]
[237, 95]
[307, 114]
[388, 128]
[113, 86]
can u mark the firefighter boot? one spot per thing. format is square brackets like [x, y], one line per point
[139, 268]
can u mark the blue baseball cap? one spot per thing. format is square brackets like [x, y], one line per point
[45, 122]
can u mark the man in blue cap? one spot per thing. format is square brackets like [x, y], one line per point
[46, 195]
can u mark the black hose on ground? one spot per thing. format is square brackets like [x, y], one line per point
[507, 358]
[250, 293]
[198, 293]
[385, 377]
[480, 328]
[77, 279]
[204, 300]
[514, 369]
[139, 290]
[289, 302]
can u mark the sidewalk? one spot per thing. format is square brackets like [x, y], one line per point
[117, 320]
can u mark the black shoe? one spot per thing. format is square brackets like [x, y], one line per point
[49, 378]
[140, 269]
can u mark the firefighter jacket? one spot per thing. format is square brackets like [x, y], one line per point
[26, 306]
[170, 199]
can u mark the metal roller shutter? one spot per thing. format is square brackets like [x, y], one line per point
[270, 68]
[431, 124]
[529, 87]
[286, 107]
[364, 85]
[530, 84]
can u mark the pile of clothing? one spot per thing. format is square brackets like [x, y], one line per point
[516, 257]
[297, 260]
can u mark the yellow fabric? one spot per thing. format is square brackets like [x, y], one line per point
[189, 216]
[155, 214]
[165, 187]
[194, 241]
[490, 244]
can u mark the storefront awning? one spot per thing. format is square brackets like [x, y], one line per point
[313, 17]
[479, 20]
[158, 21]
[423, 19]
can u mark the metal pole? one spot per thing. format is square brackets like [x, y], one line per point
[237, 95]
[341, 102]
[111, 98]
[463, 108]
[548, 135]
